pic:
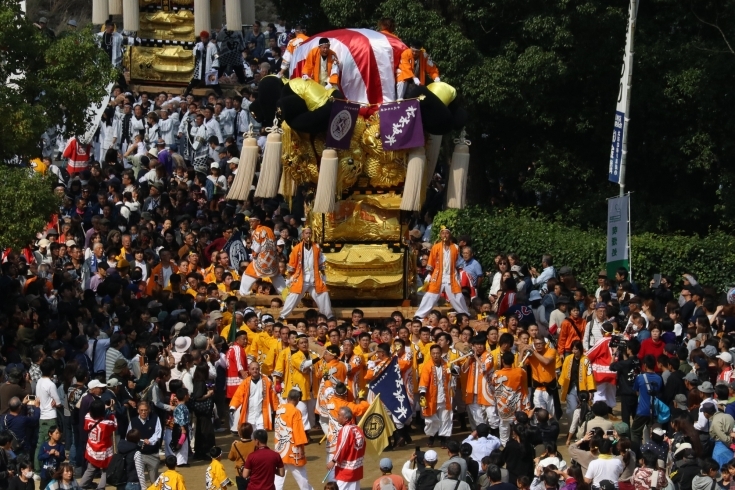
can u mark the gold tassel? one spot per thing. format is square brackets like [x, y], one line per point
[411, 200]
[326, 186]
[131, 15]
[270, 168]
[100, 11]
[114, 7]
[245, 170]
[433, 146]
[457, 181]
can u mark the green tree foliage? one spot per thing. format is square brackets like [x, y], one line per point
[49, 82]
[711, 257]
[540, 79]
[26, 205]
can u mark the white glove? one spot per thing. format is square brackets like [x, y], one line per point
[305, 77]
[437, 79]
[416, 81]
[371, 364]
[328, 86]
[279, 75]
[428, 278]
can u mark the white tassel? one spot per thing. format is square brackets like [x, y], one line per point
[233, 12]
[115, 7]
[248, 11]
[100, 11]
[457, 182]
[411, 200]
[270, 169]
[326, 187]
[433, 146]
[131, 15]
[202, 17]
[245, 170]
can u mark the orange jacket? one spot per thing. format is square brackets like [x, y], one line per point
[296, 268]
[312, 66]
[510, 386]
[334, 403]
[476, 379]
[290, 435]
[406, 67]
[435, 263]
[430, 385]
[571, 330]
[242, 397]
[265, 255]
[157, 272]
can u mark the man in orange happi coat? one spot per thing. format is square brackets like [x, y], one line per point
[338, 398]
[436, 397]
[322, 65]
[333, 371]
[510, 388]
[414, 67]
[306, 266]
[256, 399]
[476, 372]
[290, 441]
[300, 37]
[443, 277]
[265, 257]
[161, 274]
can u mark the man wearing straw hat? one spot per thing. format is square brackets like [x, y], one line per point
[443, 276]
[306, 266]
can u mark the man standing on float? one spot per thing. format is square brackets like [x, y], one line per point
[264, 261]
[443, 276]
[306, 266]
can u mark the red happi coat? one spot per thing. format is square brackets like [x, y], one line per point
[349, 454]
[237, 360]
[600, 356]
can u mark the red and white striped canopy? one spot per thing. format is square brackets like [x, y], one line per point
[368, 62]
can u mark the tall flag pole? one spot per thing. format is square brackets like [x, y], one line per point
[619, 149]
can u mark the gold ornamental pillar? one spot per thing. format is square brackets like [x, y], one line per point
[131, 15]
[248, 11]
[202, 17]
[233, 11]
[215, 11]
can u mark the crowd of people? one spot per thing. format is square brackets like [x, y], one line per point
[131, 335]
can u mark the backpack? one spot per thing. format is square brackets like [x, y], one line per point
[117, 473]
[427, 478]
[661, 411]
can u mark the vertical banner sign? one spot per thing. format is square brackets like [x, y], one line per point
[617, 148]
[617, 234]
[342, 124]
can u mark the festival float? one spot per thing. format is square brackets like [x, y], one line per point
[365, 157]
[368, 158]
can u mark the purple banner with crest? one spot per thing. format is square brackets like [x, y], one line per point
[400, 125]
[342, 124]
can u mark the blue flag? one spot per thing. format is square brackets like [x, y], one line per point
[393, 391]
[235, 248]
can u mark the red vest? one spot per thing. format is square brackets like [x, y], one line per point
[237, 361]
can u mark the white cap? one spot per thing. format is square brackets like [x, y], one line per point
[281, 241]
[214, 165]
[430, 455]
[234, 160]
[95, 383]
[659, 431]
[153, 152]
[725, 356]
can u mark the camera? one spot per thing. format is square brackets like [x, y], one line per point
[619, 342]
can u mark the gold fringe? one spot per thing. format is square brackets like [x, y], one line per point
[270, 169]
[457, 182]
[245, 170]
[411, 200]
[326, 187]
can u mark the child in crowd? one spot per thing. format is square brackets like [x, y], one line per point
[216, 478]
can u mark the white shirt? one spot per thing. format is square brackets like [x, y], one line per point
[309, 265]
[255, 403]
[440, 396]
[446, 266]
[167, 273]
[304, 415]
[604, 469]
[46, 393]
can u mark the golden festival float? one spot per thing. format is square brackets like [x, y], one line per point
[360, 197]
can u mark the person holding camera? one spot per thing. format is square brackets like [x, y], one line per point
[627, 365]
